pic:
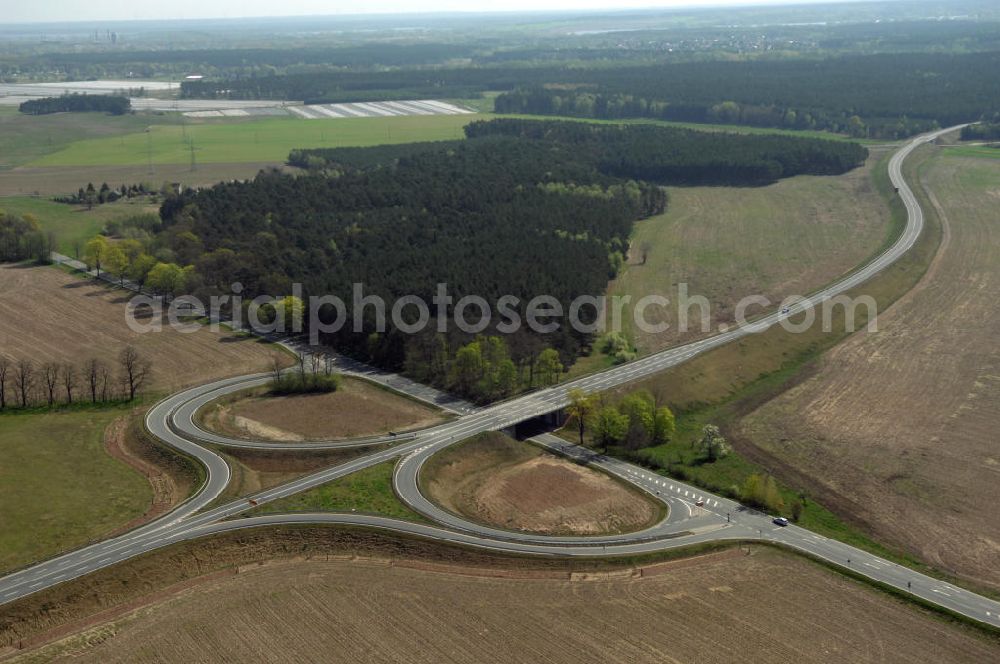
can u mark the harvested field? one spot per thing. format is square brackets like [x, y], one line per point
[726, 243]
[358, 408]
[47, 315]
[497, 480]
[716, 608]
[898, 428]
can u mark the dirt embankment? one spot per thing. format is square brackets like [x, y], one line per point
[499, 481]
[358, 408]
[713, 608]
[172, 477]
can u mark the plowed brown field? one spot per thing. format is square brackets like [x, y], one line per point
[899, 428]
[47, 315]
[768, 607]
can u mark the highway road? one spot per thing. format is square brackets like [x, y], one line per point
[686, 523]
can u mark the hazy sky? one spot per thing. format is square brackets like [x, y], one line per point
[17, 11]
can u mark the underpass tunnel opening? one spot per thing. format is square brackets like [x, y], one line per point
[540, 424]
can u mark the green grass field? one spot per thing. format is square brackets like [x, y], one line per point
[26, 138]
[367, 491]
[983, 151]
[58, 487]
[263, 140]
[72, 224]
[726, 243]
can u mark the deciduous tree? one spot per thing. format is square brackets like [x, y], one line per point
[4, 373]
[24, 380]
[549, 366]
[135, 370]
[609, 427]
[581, 407]
[69, 380]
[50, 377]
[94, 252]
[116, 262]
[712, 443]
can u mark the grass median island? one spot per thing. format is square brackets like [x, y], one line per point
[368, 491]
[494, 479]
[356, 409]
[59, 488]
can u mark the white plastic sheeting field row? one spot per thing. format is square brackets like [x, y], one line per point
[377, 109]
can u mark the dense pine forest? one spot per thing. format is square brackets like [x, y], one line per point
[988, 130]
[879, 96]
[78, 104]
[520, 208]
[884, 96]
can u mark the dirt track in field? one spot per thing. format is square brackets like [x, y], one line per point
[509, 484]
[899, 428]
[47, 315]
[717, 608]
[356, 409]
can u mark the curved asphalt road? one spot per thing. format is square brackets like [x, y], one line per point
[687, 523]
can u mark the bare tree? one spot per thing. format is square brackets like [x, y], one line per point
[92, 370]
[50, 374]
[315, 362]
[104, 380]
[328, 365]
[69, 380]
[302, 368]
[135, 370]
[24, 379]
[4, 372]
[276, 367]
